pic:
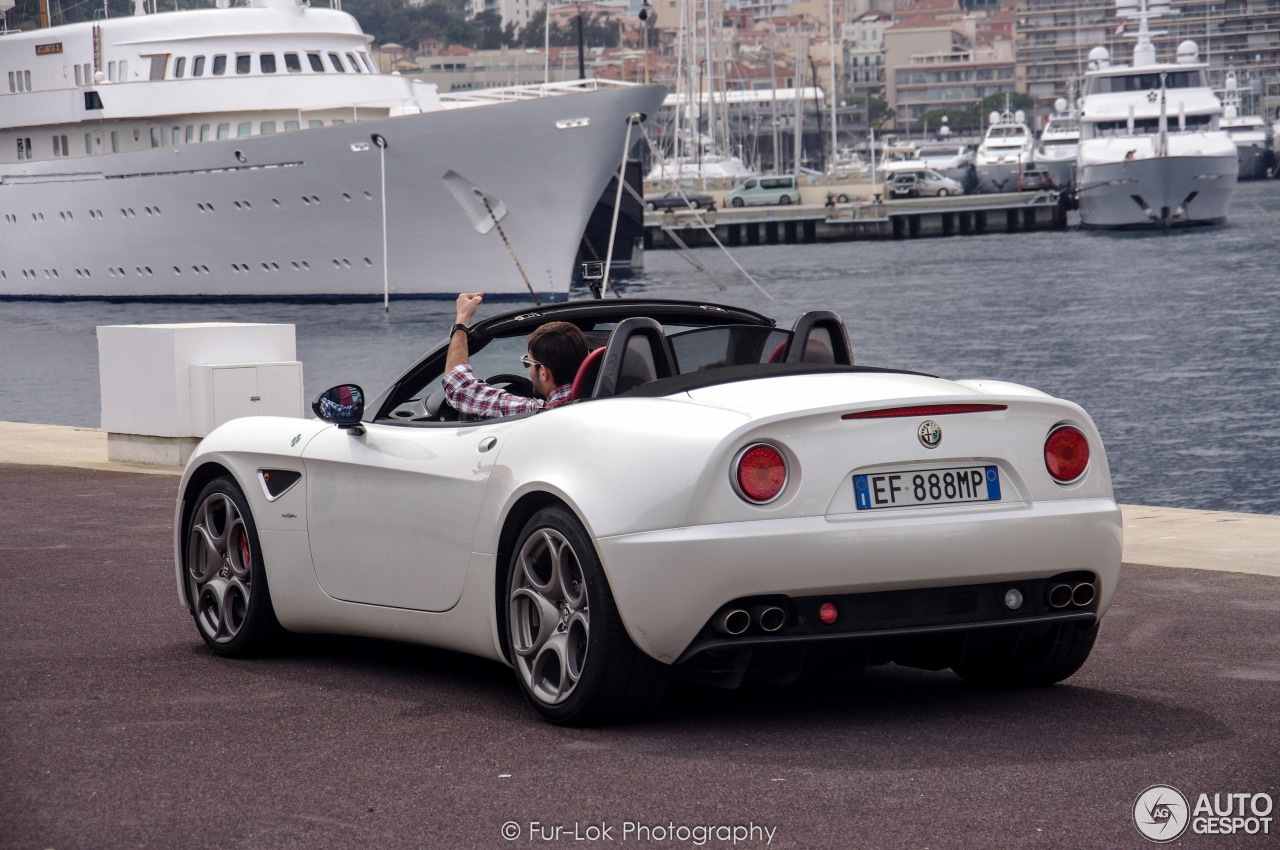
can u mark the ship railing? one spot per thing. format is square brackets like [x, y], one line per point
[533, 91]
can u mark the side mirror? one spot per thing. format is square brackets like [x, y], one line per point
[342, 405]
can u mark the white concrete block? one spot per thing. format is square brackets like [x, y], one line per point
[145, 371]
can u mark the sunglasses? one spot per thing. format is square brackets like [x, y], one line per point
[528, 361]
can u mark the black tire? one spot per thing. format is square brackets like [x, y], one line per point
[738, 202]
[225, 574]
[942, 193]
[554, 569]
[842, 198]
[785, 200]
[1051, 657]
[695, 205]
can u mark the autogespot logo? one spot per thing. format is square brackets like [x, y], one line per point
[1161, 813]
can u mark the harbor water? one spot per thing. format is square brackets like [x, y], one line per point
[1170, 340]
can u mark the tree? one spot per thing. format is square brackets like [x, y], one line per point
[878, 112]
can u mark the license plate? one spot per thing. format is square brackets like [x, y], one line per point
[926, 487]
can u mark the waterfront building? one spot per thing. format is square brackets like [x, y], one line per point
[1055, 37]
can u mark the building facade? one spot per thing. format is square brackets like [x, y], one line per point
[1055, 36]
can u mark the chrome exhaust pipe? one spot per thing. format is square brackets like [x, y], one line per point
[1082, 594]
[731, 621]
[770, 618]
[1059, 595]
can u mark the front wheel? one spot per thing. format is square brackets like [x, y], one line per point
[1031, 660]
[225, 576]
[785, 200]
[737, 202]
[942, 193]
[573, 658]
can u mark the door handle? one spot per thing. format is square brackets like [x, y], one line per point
[486, 444]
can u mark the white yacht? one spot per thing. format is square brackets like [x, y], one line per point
[256, 152]
[897, 156]
[1005, 150]
[1059, 145]
[1249, 133]
[950, 158]
[1151, 151]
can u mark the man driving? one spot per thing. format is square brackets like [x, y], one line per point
[556, 350]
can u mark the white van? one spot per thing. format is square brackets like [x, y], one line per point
[765, 190]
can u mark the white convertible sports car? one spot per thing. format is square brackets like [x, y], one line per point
[723, 499]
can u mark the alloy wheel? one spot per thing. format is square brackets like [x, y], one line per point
[549, 616]
[219, 567]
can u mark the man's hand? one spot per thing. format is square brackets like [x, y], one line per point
[468, 303]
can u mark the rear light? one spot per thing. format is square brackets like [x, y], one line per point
[828, 613]
[1066, 453]
[760, 473]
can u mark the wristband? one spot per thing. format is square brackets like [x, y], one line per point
[458, 327]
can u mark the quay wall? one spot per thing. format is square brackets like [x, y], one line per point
[1153, 536]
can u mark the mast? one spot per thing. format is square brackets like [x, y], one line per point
[831, 12]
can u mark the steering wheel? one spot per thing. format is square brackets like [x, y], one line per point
[514, 384]
[439, 409]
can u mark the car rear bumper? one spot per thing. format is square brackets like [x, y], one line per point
[669, 583]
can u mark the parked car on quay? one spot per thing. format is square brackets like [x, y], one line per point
[721, 498]
[1035, 179]
[923, 183]
[680, 199]
[765, 190]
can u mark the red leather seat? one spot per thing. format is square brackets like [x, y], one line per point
[585, 381]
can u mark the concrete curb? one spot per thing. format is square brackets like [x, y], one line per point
[1158, 537]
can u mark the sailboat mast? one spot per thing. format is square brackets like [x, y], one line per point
[711, 74]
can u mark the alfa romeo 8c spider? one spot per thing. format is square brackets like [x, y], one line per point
[722, 499]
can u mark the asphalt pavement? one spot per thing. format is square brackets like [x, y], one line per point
[119, 729]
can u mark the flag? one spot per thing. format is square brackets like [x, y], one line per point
[1120, 27]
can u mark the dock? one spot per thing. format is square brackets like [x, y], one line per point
[1153, 536]
[857, 219]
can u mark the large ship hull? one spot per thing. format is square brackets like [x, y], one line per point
[1255, 162]
[1061, 171]
[997, 177]
[1169, 191]
[306, 215]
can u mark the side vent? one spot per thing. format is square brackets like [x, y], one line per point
[277, 482]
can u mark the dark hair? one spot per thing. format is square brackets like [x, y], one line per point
[561, 347]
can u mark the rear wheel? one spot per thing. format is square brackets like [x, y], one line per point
[572, 657]
[785, 200]
[842, 198]
[226, 579]
[1043, 660]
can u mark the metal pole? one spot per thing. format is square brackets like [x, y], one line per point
[831, 12]
[799, 131]
[582, 60]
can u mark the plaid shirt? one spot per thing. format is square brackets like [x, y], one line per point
[471, 396]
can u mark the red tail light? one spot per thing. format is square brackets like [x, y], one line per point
[761, 473]
[924, 410]
[1066, 454]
